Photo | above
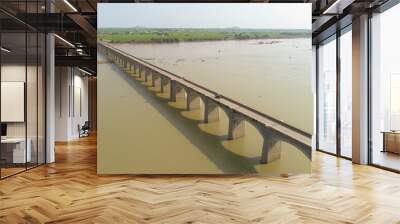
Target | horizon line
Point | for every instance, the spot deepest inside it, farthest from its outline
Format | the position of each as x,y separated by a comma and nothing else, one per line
232,27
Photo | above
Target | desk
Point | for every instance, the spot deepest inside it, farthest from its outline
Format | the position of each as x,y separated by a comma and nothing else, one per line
391,141
16,153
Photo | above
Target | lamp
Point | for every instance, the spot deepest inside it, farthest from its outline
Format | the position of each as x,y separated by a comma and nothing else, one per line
5,50
70,5
64,40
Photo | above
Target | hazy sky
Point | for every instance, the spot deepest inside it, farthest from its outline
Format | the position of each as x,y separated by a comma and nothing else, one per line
205,15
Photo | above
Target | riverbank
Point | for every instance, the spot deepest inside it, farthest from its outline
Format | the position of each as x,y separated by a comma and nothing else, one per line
193,35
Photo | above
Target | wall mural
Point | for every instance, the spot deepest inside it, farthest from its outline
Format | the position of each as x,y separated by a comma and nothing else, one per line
204,88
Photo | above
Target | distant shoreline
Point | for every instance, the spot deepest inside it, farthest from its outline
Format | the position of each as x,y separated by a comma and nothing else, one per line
201,41
194,35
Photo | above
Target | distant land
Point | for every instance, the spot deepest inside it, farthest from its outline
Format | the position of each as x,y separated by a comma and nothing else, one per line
172,35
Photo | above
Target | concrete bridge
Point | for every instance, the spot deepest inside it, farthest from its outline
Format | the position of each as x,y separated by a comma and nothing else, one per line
272,130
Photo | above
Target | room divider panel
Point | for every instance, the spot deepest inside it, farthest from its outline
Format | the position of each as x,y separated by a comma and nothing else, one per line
22,77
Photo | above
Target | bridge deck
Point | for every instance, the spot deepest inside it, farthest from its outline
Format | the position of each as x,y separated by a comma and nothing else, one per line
272,123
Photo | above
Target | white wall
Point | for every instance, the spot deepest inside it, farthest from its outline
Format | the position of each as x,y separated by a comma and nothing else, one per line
71,87
80,109
62,82
15,72
314,91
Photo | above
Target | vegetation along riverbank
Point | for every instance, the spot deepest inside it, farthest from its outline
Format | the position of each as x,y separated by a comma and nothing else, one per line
163,35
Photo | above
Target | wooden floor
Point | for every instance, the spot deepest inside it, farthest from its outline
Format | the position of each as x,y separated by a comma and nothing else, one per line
387,159
69,191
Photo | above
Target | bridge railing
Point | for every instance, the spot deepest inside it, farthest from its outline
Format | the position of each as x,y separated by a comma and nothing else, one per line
149,65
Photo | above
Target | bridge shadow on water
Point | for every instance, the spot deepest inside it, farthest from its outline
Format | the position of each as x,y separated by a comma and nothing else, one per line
209,144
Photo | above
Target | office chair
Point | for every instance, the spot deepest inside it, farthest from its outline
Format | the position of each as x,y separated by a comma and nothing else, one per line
84,130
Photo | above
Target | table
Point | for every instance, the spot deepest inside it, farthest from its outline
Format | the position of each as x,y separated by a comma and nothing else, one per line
391,141
16,153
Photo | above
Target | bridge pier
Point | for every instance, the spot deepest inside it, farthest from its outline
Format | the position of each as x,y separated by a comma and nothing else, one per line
172,90
211,110
271,149
192,100
146,74
141,71
136,69
164,82
236,127
154,77
129,66
175,89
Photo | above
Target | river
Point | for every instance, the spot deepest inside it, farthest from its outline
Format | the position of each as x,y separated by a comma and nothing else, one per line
274,78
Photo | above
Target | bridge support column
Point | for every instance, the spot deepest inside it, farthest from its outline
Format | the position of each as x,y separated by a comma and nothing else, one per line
164,82
146,75
140,71
135,68
192,100
211,111
236,126
172,90
271,149
154,76
175,89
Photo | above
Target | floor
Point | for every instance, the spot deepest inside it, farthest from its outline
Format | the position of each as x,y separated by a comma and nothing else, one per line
5,172
387,159
10,171
69,191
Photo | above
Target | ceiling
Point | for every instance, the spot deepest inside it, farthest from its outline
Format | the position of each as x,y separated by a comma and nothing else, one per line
76,21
